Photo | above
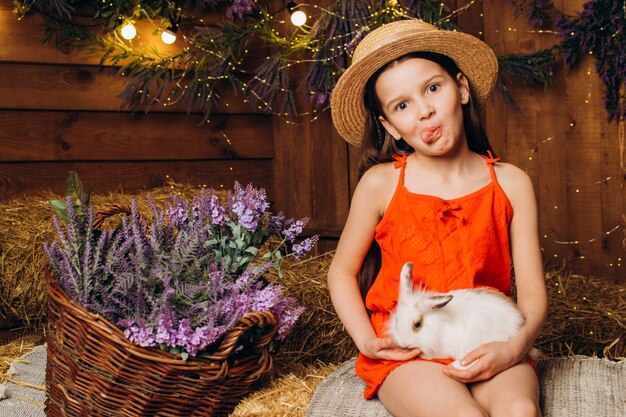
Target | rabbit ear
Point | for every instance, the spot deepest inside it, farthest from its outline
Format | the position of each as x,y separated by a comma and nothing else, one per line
406,280
438,301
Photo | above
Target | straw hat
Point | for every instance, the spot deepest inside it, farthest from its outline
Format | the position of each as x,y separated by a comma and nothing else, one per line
473,57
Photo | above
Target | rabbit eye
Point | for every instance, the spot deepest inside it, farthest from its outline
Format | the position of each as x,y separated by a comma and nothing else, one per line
417,325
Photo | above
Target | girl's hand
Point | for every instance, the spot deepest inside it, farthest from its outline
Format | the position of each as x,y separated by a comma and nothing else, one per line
491,358
385,348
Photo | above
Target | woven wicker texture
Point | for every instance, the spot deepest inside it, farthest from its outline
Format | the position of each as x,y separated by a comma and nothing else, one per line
577,386
93,370
393,40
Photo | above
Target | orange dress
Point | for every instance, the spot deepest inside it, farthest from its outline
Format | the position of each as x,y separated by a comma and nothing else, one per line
453,244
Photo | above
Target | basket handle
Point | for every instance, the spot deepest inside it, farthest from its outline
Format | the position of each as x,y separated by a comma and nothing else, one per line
263,320
111,210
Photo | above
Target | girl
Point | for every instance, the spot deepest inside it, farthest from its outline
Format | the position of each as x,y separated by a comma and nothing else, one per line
433,194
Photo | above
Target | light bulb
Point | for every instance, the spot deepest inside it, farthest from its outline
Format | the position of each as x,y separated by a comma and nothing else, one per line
298,18
168,37
129,31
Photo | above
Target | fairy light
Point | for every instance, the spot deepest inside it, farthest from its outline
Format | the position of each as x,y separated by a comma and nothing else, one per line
298,17
128,31
168,37
345,46
579,190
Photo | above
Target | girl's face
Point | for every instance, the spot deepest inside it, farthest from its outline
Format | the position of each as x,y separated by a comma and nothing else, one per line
421,103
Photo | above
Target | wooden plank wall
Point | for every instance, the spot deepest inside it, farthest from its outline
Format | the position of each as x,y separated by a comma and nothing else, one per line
315,170
564,142
60,112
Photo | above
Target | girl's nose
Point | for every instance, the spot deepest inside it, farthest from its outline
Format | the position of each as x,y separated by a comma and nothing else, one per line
424,110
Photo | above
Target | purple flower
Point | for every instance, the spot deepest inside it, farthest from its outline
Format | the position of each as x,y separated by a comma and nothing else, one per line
138,332
216,211
299,249
277,223
166,332
265,299
319,99
294,229
249,204
239,8
177,214
186,280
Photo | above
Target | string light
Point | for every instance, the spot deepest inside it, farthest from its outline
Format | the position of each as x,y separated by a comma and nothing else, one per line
128,31
168,37
298,17
579,190
393,8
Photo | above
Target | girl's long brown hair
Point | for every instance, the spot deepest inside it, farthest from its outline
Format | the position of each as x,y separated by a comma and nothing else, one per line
378,146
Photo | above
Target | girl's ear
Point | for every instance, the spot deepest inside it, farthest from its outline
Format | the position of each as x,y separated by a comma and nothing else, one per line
389,128
463,85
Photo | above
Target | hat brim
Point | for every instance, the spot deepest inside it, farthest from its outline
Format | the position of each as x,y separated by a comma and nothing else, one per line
474,58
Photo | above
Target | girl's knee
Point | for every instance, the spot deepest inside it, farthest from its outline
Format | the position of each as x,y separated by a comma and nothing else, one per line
521,407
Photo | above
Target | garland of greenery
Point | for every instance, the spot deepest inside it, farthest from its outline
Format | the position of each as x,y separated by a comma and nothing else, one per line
598,30
214,54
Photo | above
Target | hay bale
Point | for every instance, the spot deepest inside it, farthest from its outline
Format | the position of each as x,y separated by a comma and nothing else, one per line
587,314
287,396
587,317
25,225
319,335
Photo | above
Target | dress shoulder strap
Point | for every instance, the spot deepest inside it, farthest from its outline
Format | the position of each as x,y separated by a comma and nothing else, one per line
490,160
400,163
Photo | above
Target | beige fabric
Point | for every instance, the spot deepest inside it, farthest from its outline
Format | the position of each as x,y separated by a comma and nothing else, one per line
581,386
21,400
577,386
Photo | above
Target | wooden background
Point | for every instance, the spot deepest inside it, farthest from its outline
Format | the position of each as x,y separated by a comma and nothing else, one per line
60,112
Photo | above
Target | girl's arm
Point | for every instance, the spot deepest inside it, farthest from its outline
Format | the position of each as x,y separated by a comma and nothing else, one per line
532,298
368,204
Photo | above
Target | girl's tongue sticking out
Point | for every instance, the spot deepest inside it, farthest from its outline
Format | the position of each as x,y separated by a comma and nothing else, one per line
430,135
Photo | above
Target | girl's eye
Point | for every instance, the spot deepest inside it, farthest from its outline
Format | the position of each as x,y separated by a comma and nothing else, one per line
401,106
433,88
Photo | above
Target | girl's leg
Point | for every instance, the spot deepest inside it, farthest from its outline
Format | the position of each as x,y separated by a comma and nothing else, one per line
419,388
511,393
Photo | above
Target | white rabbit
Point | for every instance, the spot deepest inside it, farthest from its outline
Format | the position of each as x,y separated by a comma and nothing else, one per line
450,325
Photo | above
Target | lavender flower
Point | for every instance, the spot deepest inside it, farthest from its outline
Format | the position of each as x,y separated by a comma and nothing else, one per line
249,205
294,229
177,213
183,282
240,8
276,223
599,29
538,12
299,249
138,332
319,99
209,208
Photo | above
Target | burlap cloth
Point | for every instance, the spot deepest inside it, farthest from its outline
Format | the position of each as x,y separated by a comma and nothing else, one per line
577,386
17,400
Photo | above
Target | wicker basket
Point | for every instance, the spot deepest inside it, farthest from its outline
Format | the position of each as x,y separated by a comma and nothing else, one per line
93,370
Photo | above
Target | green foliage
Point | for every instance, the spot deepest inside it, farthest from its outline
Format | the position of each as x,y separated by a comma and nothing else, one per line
214,53
73,189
